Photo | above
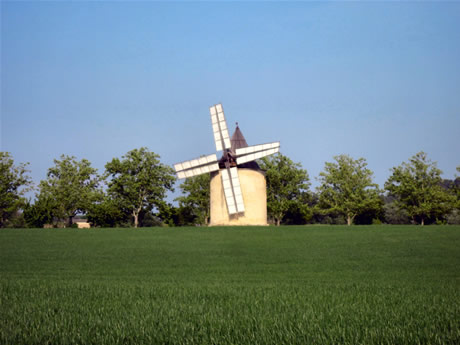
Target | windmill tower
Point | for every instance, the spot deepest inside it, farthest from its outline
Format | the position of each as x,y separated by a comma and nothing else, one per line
238,190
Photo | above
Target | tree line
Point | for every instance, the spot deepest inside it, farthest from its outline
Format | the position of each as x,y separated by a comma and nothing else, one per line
132,192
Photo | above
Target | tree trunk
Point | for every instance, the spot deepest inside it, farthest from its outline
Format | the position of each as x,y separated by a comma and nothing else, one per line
136,219
423,222
136,216
69,222
349,220
278,222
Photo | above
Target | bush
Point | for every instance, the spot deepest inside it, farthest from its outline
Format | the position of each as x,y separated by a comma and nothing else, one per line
395,215
150,220
453,218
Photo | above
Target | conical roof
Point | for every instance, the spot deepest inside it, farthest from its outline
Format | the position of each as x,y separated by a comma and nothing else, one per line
238,141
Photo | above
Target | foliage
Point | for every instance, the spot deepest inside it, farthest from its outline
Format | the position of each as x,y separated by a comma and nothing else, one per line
178,216
453,218
376,221
236,285
40,213
14,182
456,190
139,181
106,213
70,188
395,214
371,215
197,197
287,187
16,220
416,185
347,188
300,212
148,219
175,216
453,188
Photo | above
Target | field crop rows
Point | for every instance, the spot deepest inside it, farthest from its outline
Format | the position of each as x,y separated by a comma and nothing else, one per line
288,285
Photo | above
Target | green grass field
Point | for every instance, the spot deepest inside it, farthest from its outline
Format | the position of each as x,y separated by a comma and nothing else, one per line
288,285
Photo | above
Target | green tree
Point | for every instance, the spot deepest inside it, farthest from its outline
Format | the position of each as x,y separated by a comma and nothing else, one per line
40,212
167,214
393,213
416,185
287,186
453,187
197,197
106,213
70,188
139,181
300,211
457,190
347,188
14,182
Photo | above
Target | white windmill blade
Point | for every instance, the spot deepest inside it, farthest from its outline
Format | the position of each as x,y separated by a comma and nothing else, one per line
256,148
198,166
219,127
232,190
251,153
253,156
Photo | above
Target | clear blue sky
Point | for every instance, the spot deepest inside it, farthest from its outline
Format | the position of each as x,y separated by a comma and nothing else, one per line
97,79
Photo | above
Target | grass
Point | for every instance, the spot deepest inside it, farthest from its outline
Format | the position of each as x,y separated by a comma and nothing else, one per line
288,285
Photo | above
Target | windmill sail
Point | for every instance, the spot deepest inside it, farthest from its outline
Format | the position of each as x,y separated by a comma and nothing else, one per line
219,127
197,166
250,153
232,191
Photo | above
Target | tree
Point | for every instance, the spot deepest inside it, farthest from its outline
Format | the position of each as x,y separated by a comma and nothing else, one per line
197,197
40,213
71,188
139,181
347,188
454,216
167,214
300,211
416,185
287,186
393,213
453,188
14,183
457,190
106,213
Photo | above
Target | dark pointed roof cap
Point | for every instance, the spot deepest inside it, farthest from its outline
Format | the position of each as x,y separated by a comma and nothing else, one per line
238,141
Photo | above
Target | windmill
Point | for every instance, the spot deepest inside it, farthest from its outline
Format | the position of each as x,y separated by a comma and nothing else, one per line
228,164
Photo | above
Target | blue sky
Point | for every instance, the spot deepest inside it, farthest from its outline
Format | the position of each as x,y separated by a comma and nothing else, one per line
97,79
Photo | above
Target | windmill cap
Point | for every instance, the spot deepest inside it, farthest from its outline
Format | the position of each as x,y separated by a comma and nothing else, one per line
238,141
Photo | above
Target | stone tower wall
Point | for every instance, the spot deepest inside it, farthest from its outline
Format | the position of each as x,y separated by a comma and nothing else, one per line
253,187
